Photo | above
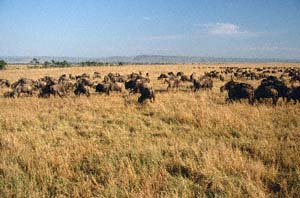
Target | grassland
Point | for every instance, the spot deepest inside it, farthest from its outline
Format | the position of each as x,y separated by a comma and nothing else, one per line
184,145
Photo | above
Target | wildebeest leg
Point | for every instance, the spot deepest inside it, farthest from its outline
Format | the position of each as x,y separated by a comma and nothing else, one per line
60,94
229,100
133,91
259,100
275,99
141,99
152,98
251,100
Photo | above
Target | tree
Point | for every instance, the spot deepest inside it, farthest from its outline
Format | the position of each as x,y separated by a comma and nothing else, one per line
65,64
46,63
34,61
2,64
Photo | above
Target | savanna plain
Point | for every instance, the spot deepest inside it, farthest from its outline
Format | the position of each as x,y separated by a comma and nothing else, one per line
184,144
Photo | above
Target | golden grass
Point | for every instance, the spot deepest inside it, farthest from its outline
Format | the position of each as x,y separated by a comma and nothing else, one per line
184,145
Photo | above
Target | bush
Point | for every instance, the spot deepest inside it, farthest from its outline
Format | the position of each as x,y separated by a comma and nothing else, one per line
2,64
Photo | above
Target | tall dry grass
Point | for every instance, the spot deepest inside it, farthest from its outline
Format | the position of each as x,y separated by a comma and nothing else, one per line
184,145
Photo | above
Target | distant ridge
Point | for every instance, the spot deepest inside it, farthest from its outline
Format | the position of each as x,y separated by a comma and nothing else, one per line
144,59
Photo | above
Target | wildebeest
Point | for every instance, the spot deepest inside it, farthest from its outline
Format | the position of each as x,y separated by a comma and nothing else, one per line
22,81
117,86
193,76
147,92
96,75
84,75
179,74
103,88
238,91
274,82
80,88
202,84
58,89
23,87
162,76
23,90
294,94
63,78
4,83
134,86
172,83
130,84
184,78
266,92
50,86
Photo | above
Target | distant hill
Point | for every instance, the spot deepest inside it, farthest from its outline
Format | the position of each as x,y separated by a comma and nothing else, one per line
143,59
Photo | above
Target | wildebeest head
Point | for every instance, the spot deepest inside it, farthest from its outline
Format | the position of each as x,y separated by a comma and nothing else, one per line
230,84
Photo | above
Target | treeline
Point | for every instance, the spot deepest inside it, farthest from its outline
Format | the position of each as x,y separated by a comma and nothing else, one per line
54,63
2,64
35,63
95,63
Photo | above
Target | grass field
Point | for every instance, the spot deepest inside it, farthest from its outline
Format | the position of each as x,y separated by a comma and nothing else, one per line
185,144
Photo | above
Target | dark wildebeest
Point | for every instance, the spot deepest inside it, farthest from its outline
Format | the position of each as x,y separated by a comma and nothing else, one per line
103,88
263,91
294,94
277,84
147,92
193,76
130,84
134,87
202,84
184,78
238,91
80,88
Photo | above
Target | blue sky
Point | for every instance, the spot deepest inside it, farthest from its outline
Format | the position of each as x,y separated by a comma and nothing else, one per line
98,28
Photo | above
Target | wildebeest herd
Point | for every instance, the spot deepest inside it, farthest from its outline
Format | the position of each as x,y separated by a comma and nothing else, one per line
273,84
